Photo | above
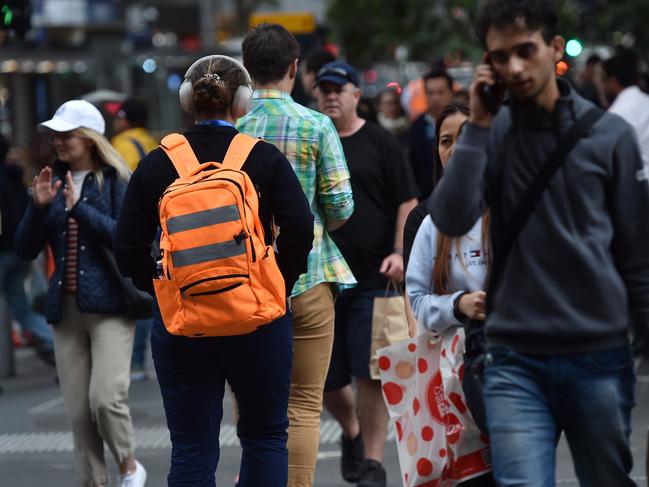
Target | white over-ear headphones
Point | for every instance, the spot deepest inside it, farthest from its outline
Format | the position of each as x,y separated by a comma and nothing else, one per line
242,97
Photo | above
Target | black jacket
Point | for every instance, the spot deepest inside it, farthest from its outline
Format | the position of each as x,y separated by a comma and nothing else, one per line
281,198
13,202
96,213
422,153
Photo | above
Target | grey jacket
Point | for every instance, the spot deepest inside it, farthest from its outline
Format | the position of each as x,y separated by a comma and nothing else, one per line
578,274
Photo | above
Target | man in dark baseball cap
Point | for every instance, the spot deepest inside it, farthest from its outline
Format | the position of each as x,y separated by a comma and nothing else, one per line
337,72
372,244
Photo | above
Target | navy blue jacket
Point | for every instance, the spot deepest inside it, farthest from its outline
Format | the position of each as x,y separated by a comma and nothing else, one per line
422,153
96,213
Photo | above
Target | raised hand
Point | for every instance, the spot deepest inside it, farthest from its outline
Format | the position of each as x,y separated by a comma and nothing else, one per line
43,189
68,192
484,76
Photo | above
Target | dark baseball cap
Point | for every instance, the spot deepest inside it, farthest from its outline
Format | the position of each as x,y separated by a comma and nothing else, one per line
337,72
134,111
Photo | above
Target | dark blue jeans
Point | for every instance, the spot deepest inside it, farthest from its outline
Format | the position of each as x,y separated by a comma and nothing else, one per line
531,399
192,373
13,273
142,331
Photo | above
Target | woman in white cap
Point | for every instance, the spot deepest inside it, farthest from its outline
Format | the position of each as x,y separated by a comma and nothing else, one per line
74,209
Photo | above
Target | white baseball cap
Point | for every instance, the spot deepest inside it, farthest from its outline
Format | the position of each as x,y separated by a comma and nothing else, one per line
74,114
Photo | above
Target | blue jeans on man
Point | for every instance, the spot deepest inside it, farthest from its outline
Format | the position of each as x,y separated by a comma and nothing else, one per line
532,399
13,274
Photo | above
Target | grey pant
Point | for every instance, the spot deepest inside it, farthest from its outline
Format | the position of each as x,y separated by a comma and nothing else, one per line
93,359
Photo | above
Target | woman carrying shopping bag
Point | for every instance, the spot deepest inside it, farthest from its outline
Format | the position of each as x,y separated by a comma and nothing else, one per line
447,276
74,209
444,282
192,370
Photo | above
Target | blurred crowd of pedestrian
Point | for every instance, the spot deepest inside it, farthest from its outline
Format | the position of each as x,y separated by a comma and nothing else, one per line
412,198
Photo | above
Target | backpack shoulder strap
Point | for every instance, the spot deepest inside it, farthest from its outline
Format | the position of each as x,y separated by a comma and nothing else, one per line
138,147
555,160
177,148
534,193
239,151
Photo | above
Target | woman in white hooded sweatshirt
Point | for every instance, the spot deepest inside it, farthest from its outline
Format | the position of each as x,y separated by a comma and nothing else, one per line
445,276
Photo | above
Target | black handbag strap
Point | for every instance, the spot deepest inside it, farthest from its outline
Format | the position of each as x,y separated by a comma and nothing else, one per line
532,196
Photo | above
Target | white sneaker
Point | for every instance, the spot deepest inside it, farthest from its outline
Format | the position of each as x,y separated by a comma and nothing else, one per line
135,479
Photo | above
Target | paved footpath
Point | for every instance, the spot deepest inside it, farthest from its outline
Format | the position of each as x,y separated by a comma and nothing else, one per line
36,447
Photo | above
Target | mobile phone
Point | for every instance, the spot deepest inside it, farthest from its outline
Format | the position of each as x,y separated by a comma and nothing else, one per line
491,95
490,99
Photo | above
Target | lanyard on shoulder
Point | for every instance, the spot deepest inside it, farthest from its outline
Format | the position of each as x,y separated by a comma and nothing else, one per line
216,123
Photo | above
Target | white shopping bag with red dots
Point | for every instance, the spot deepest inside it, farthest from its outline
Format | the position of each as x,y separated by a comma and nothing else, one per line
439,444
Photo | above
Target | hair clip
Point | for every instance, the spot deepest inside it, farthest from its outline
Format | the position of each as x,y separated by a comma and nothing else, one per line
213,76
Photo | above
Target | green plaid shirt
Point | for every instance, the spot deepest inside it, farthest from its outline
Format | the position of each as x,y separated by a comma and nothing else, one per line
310,142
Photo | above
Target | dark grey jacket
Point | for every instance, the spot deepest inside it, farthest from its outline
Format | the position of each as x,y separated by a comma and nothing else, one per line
578,275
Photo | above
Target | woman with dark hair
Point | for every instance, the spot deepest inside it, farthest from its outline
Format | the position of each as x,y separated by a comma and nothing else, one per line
446,276
458,266
192,372
442,152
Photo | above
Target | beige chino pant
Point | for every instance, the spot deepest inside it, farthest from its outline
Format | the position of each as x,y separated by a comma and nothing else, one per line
93,359
313,334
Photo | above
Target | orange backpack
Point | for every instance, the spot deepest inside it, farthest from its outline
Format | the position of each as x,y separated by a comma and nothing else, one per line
218,276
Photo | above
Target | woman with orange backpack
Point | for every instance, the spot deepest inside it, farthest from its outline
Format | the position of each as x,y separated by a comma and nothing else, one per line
220,313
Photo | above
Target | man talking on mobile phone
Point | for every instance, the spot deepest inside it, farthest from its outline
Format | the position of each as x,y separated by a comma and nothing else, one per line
569,201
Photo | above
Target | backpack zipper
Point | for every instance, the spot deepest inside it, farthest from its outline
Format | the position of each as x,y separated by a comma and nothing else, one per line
207,279
219,291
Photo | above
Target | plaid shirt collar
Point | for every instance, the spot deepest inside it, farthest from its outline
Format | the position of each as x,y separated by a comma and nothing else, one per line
266,94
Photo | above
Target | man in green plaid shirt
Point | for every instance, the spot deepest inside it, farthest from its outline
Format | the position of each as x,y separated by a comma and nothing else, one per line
310,142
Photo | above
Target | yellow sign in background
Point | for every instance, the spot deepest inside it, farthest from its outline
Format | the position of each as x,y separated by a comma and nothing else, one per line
294,22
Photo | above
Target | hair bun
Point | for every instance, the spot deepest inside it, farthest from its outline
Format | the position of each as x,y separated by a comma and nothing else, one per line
211,93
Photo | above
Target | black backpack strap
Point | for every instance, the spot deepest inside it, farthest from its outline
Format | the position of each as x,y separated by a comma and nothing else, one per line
138,147
532,196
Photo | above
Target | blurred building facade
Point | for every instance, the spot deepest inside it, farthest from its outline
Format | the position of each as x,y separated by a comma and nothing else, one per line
108,49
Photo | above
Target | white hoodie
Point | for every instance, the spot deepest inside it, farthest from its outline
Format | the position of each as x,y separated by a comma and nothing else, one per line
633,106
467,272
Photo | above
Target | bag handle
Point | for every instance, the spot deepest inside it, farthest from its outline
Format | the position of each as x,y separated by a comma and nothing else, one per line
203,167
532,196
178,150
392,285
238,151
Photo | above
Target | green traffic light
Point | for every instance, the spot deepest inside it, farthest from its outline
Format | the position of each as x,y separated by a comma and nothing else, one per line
573,48
7,15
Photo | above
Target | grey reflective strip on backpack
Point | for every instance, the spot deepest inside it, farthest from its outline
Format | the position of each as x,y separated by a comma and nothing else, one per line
203,218
206,253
